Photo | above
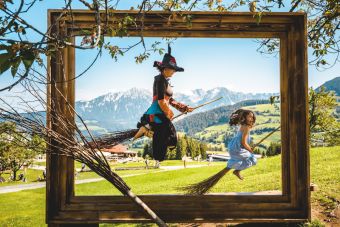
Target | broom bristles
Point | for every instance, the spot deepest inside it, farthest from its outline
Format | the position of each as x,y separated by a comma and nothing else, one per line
113,139
204,186
67,139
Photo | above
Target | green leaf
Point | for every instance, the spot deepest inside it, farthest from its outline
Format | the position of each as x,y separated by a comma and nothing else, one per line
27,63
15,66
5,62
113,32
28,58
4,57
5,66
258,17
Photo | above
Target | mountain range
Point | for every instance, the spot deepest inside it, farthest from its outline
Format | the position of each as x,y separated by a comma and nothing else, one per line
332,85
122,110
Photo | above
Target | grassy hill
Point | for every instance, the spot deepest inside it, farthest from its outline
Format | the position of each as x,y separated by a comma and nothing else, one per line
332,85
199,121
267,119
27,208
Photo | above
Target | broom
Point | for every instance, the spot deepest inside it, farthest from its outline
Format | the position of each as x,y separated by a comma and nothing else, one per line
113,138
118,137
204,186
69,141
70,147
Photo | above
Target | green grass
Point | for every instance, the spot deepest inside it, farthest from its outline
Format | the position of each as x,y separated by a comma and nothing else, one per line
21,209
152,163
137,164
262,108
208,132
220,127
90,175
31,177
91,125
268,169
43,163
276,137
180,163
266,125
325,163
39,163
262,119
27,208
86,175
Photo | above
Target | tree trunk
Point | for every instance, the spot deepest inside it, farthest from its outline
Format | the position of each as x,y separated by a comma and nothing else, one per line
14,174
15,168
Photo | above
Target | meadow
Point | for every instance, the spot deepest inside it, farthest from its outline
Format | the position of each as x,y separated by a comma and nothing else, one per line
27,208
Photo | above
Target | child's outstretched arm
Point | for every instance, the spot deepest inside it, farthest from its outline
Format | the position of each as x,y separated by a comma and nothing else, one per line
245,134
180,106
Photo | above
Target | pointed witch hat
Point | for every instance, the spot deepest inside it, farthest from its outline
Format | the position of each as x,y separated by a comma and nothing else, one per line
168,62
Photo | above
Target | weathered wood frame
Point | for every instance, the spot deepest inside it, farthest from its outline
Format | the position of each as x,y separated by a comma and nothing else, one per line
294,203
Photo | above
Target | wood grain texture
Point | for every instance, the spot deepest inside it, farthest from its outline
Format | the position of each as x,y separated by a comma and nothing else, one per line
294,203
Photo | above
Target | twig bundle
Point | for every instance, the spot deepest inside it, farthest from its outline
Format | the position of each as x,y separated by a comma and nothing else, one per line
68,140
205,185
113,139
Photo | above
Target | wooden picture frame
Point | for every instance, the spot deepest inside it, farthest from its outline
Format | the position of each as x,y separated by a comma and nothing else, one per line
293,205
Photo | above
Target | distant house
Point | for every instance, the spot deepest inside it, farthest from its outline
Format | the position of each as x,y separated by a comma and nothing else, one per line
120,151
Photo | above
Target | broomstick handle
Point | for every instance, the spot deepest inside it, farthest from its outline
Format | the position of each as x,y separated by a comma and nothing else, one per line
146,209
271,133
207,103
198,107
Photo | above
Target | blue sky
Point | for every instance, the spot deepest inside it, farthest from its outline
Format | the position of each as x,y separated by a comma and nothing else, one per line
208,63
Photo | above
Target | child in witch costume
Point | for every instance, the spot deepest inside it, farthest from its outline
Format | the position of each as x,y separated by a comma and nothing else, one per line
156,121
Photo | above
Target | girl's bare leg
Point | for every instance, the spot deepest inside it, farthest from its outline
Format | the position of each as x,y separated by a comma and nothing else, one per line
157,164
140,133
237,173
144,130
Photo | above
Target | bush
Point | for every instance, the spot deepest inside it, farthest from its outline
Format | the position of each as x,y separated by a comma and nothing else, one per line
274,149
147,150
314,223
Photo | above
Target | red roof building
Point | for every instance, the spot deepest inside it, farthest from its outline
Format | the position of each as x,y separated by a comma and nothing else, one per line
120,151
